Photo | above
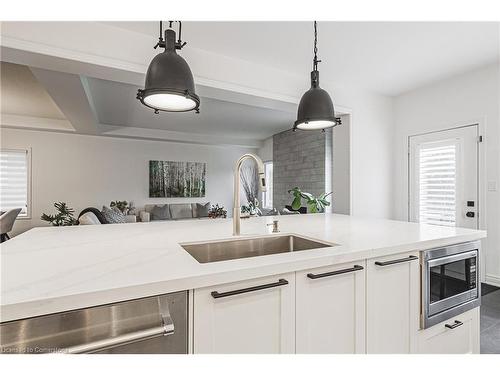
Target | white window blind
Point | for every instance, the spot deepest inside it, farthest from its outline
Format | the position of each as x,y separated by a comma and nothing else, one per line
14,190
437,166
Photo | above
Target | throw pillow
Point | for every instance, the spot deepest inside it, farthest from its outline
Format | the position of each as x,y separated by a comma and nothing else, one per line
112,216
181,211
160,213
202,209
88,218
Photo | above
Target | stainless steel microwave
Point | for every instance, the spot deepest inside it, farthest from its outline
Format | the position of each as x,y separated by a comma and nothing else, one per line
450,282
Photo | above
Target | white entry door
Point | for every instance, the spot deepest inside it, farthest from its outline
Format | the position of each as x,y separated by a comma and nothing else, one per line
443,184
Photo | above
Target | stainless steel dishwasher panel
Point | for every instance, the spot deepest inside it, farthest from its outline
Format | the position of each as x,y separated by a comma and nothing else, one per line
144,326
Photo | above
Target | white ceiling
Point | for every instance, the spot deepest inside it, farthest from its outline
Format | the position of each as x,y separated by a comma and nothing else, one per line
115,104
385,57
249,74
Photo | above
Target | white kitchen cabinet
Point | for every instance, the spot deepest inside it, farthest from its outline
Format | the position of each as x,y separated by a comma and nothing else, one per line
330,308
392,303
458,335
252,316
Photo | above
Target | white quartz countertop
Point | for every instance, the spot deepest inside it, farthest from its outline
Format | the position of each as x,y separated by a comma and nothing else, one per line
53,269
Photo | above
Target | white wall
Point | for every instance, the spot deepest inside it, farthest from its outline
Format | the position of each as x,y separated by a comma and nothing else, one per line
92,171
372,151
371,128
341,167
466,99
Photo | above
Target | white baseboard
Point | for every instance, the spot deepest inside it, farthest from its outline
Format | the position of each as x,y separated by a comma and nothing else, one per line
492,280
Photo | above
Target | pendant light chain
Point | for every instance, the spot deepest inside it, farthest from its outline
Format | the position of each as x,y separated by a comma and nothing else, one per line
315,60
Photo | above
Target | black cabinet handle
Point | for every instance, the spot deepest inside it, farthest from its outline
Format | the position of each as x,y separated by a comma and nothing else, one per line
389,262
333,273
457,323
280,282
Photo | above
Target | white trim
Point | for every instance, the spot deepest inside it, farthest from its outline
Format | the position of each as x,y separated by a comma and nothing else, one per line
348,111
492,280
482,180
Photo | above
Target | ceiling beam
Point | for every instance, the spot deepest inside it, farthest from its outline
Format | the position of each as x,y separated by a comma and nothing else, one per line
64,46
175,136
70,93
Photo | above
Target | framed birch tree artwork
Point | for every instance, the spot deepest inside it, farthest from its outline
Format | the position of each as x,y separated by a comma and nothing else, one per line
176,179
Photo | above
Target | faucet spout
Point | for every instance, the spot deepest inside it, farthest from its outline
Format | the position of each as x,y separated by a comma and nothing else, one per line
236,192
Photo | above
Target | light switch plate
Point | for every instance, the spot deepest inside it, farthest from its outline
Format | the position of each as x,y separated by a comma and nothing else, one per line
492,186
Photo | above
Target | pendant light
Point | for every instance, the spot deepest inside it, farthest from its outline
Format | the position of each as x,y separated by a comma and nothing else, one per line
169,82
316,110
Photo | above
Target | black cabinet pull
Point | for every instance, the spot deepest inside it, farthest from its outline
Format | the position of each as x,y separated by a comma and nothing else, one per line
457,323
280,282
389,262
333,273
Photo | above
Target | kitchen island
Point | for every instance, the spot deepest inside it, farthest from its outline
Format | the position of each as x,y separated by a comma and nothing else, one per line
50,270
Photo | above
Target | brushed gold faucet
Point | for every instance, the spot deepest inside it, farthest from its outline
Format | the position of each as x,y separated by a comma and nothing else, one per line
236,193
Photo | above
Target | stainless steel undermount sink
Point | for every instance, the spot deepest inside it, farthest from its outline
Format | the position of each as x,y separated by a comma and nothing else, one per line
216,251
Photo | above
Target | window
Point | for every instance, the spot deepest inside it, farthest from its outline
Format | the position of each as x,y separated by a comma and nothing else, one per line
437,183
14,181
267,196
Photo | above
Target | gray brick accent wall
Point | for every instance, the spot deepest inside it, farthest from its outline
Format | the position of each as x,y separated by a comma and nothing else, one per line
299,159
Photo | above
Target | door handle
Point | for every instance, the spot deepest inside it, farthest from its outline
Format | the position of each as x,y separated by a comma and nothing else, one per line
333,273
457,323
280,282
469,214
389,262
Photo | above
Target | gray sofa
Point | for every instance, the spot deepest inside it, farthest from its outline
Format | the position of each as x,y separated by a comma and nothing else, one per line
174,211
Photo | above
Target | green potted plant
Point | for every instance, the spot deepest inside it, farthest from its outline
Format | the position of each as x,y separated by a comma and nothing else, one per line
314,204
63,217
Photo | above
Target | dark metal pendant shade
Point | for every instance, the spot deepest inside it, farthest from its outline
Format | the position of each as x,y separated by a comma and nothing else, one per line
169,84
315,108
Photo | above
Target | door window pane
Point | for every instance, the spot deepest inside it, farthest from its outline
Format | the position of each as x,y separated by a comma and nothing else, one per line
437,165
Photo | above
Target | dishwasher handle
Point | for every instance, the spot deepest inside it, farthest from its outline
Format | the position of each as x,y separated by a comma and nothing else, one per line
167,328
127,338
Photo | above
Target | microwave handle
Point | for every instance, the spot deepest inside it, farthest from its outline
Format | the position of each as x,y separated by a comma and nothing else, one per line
452,258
